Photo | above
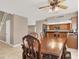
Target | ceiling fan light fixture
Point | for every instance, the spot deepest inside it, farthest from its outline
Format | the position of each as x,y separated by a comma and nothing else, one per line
50,10
54,6
56,9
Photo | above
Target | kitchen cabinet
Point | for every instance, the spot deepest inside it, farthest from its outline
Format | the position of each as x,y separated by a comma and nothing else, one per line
72,41
50,30
60,26
74,23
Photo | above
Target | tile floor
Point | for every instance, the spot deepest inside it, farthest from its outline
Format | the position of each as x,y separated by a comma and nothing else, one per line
7,52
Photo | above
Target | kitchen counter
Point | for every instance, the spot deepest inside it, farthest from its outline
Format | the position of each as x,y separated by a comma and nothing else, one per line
68,31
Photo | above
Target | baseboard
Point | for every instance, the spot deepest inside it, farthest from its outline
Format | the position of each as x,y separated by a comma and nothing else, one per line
6,43
16,45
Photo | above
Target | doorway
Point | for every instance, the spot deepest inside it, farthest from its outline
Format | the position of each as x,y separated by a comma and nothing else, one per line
8,31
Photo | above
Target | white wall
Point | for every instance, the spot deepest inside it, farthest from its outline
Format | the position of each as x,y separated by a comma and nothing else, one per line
59,20
3,29
31,28
65,19
39,26
20,28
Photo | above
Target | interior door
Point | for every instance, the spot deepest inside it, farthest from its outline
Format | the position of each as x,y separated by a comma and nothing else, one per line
8,31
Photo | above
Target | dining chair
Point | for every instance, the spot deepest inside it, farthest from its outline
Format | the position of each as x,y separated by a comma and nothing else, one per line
29,51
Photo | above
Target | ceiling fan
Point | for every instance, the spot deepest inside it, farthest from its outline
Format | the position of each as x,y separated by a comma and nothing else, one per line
53,4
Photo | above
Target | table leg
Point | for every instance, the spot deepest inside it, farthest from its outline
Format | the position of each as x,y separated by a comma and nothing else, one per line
64,53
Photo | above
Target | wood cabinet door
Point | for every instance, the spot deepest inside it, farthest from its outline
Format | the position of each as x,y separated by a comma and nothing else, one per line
63,35
50,35
72,42
51,27
74,23
65,26
56,35
60,27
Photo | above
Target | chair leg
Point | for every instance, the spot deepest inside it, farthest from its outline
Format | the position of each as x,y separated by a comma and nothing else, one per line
64,53
23,56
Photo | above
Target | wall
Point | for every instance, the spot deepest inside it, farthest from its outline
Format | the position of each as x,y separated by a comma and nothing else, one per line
62,19
11,29
20,28
1,15
39,26
59,20
3,29
31,28
3,33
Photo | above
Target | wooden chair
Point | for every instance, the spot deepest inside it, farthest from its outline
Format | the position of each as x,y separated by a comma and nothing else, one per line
28,48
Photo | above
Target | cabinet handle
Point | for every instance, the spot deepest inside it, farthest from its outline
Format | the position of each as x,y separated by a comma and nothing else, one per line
54,35
58,35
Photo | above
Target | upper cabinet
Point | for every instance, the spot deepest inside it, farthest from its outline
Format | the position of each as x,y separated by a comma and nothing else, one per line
60,26
66,27
74,23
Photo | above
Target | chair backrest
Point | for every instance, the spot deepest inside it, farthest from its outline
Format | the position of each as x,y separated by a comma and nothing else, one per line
28,47
34,34
41,35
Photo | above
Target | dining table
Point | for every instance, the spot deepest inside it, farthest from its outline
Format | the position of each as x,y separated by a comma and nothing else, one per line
53,46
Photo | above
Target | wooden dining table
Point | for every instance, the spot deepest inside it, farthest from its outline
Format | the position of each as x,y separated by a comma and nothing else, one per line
54,46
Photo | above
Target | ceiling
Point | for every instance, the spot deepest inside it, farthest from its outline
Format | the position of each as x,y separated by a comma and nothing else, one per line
29,9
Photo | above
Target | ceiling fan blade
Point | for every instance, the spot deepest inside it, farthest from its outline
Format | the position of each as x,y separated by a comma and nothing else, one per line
61,0
44,6
50,1
62,6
